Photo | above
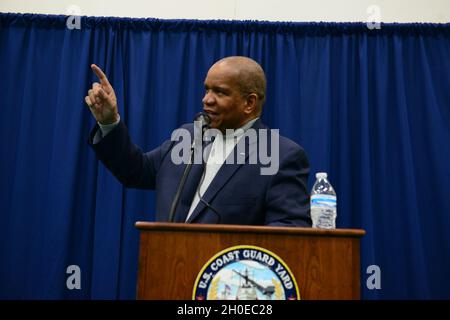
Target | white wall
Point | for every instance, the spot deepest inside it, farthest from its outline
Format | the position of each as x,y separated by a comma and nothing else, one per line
272,10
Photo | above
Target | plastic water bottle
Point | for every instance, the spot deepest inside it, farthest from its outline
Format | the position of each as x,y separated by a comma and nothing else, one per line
323,203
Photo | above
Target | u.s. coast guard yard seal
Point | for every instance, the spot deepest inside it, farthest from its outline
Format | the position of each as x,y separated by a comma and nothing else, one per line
245,273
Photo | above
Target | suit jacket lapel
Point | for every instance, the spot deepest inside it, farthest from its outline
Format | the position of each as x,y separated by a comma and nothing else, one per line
190,187
188,192
227,171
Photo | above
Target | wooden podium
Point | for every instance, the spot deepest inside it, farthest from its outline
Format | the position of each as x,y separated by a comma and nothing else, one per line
325,263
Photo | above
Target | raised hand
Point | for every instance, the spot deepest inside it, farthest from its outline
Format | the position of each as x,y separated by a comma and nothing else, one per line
101,99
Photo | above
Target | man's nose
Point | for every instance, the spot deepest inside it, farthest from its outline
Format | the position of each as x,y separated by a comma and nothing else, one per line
208,98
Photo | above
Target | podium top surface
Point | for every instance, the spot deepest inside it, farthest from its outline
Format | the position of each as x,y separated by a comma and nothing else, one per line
222,228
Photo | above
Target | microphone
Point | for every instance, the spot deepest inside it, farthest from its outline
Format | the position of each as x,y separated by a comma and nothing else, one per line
205,122
202,119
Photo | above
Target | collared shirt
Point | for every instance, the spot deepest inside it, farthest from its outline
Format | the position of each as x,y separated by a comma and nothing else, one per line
104,130
220,150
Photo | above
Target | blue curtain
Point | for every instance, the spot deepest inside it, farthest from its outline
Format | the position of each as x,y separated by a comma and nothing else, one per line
371,108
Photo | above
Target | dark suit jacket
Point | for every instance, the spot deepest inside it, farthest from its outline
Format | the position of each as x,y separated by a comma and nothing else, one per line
238,193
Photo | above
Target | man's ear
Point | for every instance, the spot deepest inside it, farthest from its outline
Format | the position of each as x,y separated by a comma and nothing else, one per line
251,103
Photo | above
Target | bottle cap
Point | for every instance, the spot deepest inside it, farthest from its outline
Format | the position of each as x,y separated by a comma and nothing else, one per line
321,175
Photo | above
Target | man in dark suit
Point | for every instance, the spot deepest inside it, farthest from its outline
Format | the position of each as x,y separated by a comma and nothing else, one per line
227,189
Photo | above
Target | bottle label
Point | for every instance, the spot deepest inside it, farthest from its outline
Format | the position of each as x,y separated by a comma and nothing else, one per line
323,200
